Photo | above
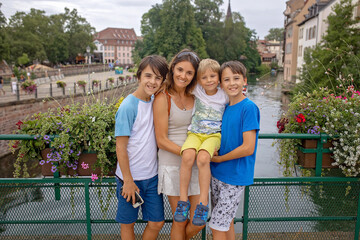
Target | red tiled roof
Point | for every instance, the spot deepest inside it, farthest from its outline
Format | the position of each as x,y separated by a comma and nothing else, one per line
113,35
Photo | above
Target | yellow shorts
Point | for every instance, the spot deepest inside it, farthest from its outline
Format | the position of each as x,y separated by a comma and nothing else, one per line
200,141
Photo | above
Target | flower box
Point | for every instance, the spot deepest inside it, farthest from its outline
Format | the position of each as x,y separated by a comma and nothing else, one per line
308,160
85,166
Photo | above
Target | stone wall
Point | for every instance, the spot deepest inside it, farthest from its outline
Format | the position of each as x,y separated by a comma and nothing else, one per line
12,112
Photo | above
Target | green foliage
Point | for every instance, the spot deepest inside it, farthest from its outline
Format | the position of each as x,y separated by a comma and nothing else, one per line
263,69
81,83
61,84
79,127
176,24
23,60
338,54
56,38
29,86
322,111
275,34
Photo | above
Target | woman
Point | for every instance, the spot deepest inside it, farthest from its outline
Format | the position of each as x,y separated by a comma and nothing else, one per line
172,116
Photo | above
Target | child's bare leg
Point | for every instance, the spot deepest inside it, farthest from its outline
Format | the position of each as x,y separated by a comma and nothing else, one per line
203,163
127,231
187,161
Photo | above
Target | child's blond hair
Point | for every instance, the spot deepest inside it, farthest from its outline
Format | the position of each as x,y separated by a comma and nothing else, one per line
206,64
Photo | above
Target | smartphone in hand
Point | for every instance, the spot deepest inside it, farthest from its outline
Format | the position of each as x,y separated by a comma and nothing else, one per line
138,199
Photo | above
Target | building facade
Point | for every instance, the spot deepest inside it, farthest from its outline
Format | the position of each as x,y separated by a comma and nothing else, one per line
270,51
313,28
294,14
115,45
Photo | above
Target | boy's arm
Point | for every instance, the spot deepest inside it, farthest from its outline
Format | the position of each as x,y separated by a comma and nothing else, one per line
129,186
246,149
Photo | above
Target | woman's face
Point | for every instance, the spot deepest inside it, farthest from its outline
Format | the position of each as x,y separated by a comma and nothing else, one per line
184,73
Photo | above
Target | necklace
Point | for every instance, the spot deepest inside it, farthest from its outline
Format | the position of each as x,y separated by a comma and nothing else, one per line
183,106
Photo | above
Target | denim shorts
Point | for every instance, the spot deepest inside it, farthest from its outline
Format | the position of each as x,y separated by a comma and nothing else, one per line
152,209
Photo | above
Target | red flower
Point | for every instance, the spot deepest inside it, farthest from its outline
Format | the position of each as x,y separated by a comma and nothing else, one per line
19,123
300,118
281,124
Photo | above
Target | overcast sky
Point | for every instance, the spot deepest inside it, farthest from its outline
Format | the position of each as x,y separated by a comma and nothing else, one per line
260,15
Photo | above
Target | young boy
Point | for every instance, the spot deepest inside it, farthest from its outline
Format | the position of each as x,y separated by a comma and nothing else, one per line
136,152
202,141
233,169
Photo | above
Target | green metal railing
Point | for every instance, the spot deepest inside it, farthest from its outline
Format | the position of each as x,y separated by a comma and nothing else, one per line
277,208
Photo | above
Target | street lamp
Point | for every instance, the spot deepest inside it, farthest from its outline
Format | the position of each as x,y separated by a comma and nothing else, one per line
88,54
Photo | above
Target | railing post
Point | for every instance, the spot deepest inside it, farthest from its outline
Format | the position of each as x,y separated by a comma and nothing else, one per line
51,92
319,155
357,224
18,91
246,212
87,208
203,233
74,88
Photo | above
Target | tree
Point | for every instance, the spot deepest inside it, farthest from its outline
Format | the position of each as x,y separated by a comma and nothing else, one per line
275,34
169,27
336,60
57,38
4,43
24,59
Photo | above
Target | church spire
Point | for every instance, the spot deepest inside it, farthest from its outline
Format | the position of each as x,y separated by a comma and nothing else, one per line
228,14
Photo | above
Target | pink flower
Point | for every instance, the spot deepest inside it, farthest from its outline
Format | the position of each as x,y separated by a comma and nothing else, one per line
94,177
84,165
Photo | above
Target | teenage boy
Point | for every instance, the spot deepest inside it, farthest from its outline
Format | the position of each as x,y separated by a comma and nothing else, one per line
233,169
136,151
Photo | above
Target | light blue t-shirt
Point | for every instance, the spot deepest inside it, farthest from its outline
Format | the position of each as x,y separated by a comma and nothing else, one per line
134,118
241,117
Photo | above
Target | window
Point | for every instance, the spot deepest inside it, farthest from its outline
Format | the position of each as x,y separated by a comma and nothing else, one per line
101,48
288,48
123,54
112,48
112,54
289,32
301,33
300,51
127,54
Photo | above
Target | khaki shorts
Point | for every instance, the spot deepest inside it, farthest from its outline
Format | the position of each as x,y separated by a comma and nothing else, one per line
200,141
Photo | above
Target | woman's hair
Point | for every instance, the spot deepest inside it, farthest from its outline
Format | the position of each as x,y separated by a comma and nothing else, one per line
183,55
235,67
206,64
157,64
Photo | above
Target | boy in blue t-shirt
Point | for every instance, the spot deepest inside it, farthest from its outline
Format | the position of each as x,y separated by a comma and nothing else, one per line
136,151
233,169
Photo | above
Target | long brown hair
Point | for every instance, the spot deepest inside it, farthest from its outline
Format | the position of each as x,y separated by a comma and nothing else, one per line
183,55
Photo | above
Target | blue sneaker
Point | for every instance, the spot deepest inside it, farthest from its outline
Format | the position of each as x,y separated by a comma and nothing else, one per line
201,214
182,211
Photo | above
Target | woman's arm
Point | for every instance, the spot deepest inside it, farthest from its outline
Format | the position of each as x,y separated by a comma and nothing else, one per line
246,149
161,123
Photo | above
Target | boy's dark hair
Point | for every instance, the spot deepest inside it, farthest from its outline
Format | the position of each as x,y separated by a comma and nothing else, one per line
235,66
157,64
183,55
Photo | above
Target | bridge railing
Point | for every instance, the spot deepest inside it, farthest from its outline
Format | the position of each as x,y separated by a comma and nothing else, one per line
277,208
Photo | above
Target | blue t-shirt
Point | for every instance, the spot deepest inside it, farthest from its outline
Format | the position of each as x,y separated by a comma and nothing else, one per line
241,117
134,119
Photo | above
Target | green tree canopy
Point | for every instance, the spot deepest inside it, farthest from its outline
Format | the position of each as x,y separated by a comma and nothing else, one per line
56,38
275,34
176,24
336,60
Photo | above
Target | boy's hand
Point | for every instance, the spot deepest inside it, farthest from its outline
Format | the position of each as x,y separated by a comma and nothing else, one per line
216,159
128,191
